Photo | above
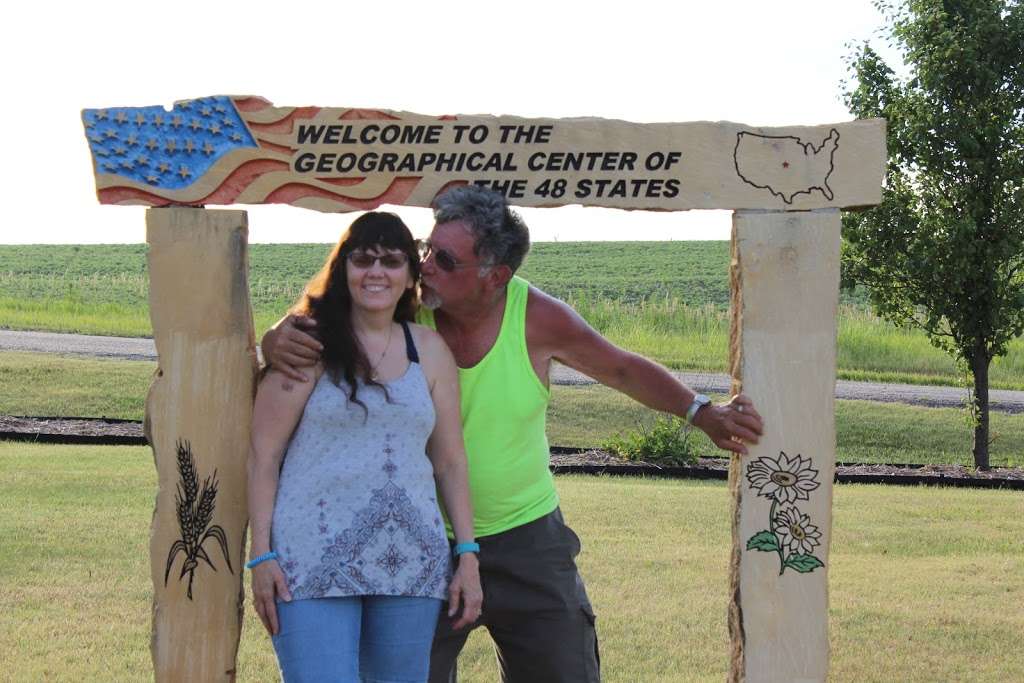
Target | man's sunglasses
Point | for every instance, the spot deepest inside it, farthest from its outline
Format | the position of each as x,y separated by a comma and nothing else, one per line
443,258
391,261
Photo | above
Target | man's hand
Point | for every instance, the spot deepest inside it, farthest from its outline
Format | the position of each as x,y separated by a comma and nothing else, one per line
731,425
290,346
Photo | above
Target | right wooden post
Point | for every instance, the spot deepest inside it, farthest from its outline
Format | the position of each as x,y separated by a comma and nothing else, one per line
785,278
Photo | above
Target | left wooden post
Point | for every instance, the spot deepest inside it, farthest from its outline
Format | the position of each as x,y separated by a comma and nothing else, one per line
198,414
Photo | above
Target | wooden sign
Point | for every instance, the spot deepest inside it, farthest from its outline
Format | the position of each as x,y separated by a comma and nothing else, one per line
198,416
243,150
786,183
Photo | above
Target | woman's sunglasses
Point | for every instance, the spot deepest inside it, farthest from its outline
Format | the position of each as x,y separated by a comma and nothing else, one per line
391,261
442,257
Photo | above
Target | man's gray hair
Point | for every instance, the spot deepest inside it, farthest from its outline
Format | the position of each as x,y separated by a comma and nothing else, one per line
499,233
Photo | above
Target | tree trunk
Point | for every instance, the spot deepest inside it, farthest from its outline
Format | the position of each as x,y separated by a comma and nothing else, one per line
979,368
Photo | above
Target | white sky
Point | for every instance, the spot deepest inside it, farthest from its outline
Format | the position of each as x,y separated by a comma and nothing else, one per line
757,63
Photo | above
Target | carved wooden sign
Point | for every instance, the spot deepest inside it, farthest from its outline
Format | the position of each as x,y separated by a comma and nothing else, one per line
786,185
243,150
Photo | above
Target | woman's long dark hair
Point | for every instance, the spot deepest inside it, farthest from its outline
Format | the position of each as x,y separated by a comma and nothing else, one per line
327,300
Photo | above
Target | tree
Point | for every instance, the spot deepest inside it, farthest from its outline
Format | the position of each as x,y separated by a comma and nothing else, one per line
944,251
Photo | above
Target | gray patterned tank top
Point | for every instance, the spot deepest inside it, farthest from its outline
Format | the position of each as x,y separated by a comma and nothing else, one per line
356,511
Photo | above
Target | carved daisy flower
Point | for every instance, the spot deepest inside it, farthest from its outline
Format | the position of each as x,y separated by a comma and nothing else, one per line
795,531
786,479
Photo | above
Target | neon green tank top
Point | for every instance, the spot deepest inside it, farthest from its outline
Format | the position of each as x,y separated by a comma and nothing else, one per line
504,418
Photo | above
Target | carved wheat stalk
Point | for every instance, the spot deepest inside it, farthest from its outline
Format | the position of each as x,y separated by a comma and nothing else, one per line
195,509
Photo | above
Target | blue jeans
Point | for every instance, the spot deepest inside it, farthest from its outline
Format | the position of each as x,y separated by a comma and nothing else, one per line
367,639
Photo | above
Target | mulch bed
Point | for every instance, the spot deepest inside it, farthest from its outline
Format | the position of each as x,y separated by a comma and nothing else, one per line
72,430
105,431
568,461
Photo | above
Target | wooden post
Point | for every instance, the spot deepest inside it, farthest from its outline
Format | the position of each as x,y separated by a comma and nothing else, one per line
198,416
785,273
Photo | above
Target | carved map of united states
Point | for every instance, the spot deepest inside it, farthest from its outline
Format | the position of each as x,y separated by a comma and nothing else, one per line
785,165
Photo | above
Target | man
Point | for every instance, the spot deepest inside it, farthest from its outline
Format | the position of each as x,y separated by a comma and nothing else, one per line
504,335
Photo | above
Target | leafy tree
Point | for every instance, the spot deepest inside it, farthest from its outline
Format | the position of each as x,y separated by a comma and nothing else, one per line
944,251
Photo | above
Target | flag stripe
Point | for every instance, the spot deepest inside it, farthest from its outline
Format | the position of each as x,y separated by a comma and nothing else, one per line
396,193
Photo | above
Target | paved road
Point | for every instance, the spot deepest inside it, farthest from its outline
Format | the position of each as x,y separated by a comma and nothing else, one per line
142,349
124,348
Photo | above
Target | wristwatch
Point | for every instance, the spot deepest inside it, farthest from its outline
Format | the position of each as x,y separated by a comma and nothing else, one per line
699,401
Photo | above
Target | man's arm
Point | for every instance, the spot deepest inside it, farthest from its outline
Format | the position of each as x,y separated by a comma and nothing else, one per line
557,332
289,346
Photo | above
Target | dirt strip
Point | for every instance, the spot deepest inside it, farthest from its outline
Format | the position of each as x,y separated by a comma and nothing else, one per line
564,460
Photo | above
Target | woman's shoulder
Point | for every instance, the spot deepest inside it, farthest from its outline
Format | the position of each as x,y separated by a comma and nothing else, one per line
431,347
278,391
312,373
425,337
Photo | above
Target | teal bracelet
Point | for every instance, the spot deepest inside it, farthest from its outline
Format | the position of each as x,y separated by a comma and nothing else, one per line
465,548
272,555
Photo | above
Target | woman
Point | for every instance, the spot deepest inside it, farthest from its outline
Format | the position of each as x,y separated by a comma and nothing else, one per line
350,555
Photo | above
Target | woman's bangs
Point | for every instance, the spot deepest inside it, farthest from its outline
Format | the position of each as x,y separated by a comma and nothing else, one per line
385,235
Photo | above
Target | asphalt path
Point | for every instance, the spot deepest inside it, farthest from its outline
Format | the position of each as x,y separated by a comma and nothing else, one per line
133,348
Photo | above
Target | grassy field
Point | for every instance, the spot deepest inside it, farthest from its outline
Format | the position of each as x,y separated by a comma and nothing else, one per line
667,300
926,584
694,273
691,273
38,384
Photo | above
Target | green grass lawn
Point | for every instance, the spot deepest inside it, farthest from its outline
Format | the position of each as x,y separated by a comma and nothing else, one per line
866,431
925,584
41,384
50,385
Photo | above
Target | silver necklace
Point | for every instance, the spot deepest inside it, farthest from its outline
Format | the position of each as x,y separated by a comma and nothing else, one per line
373,366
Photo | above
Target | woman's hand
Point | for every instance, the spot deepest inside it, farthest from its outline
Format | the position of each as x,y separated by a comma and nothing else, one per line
268,582
465,590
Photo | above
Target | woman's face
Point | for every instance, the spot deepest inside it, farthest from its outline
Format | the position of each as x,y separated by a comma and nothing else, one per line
378,277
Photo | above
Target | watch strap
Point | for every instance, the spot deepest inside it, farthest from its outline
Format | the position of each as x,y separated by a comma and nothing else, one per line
699,401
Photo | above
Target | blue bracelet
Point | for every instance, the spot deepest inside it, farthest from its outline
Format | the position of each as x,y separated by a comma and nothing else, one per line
466,548
272,555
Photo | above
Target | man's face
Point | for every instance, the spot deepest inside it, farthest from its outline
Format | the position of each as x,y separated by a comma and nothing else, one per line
451,273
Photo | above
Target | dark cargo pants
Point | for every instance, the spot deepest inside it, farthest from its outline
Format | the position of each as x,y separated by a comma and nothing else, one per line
535,608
